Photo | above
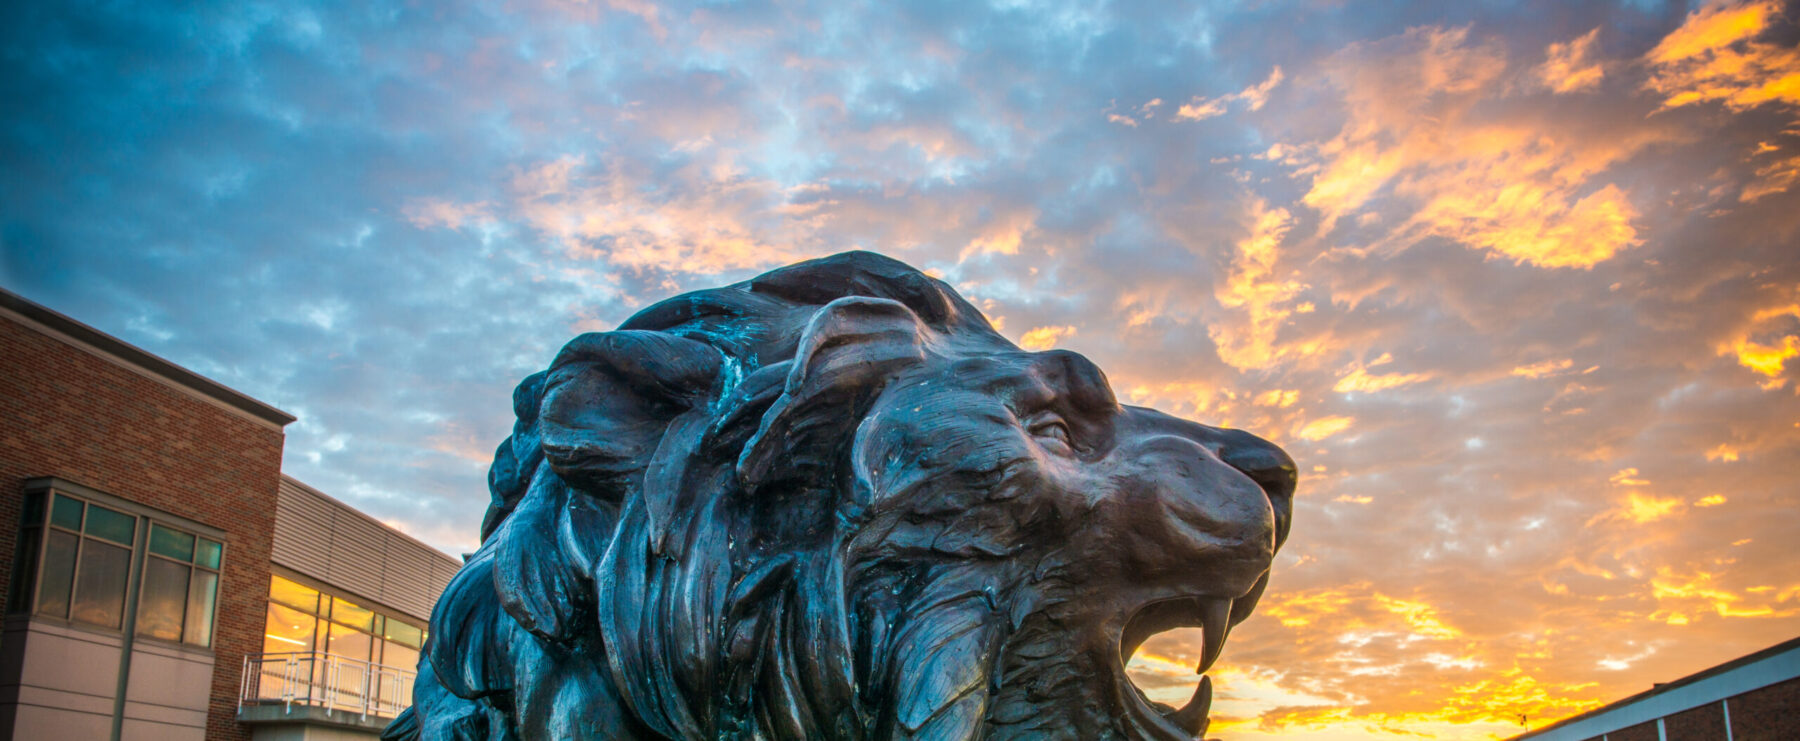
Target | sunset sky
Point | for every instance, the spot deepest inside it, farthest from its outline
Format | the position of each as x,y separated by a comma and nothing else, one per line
1518,285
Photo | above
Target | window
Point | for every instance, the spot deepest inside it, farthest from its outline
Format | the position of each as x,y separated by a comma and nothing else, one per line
301,619
86,561
74,562
181,587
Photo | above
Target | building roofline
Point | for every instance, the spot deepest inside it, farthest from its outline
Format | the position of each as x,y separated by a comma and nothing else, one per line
1663,687
457,562
140,359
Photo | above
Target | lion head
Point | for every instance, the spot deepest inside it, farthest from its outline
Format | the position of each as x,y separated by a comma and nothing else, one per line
833,502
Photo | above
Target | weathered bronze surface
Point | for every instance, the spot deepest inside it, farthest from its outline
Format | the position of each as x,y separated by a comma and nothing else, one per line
831,502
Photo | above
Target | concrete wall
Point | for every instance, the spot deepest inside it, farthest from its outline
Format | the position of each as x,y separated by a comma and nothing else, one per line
91,414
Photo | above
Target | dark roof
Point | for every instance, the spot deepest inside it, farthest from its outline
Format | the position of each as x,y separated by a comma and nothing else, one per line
143,359
1662,687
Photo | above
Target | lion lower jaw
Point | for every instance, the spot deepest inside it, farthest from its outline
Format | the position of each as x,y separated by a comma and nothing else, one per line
1051,683
1048,685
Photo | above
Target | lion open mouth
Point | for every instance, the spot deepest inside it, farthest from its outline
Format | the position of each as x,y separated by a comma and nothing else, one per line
1214,617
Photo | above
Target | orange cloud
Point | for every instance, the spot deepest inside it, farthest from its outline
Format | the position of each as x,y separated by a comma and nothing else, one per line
1044,338
1421,616
1714,56
1768,359
427,213
1569,67
1359,379
1277,398
1201,108
1325,427
706,219
1254,288
1517,190
1640,508
1543,368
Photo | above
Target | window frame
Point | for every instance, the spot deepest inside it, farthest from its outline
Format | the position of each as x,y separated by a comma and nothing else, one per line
48,488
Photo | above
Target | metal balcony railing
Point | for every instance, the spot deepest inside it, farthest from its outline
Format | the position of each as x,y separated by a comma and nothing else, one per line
322,680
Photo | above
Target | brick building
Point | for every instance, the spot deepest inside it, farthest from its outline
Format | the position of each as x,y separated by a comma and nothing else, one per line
1751,698
153,557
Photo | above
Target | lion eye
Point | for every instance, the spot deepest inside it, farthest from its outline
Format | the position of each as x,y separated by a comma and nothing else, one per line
1053,429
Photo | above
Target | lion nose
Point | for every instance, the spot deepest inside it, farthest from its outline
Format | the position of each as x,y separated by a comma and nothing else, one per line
1270,467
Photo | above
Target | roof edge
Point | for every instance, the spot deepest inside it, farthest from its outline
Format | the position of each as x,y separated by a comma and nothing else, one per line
142,359
1665,687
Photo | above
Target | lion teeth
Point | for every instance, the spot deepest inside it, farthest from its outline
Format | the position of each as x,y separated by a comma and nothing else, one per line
1215,622
1192,717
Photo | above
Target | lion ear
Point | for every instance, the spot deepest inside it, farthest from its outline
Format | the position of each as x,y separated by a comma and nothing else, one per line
849,351
608,400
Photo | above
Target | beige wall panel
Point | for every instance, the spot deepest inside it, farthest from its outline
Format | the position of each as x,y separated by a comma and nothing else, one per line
72,660
143,730
357,554
298,732
61,725
302,530
72,701
169,678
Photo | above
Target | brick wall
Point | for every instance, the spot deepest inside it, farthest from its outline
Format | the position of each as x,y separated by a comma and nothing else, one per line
1769,713
1704,723
76,416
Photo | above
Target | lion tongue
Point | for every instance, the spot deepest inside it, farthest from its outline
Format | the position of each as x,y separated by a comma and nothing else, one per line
1192,717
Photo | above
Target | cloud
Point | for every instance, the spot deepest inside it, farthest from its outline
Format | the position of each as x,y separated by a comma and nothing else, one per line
1043,338
1324,427
1768,357
1418,133
1200,108
1257,290
1715,56
1569,66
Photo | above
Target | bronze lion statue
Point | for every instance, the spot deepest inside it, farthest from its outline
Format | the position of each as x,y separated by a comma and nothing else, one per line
831,502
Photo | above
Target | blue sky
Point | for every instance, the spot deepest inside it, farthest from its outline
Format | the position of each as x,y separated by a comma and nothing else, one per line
1515,282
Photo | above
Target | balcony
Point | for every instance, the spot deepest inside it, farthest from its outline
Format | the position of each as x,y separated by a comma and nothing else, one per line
317,688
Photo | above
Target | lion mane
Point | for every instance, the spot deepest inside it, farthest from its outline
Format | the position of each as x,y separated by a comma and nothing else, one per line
832,502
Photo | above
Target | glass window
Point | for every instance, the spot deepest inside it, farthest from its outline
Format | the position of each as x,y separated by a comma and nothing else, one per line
162,607
398,656
404,634
117,527
33,513
59,574
83,552
209,554
66,513
18,598
100,584
288,630
349,642
171,543
349,614
293,595
203,597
